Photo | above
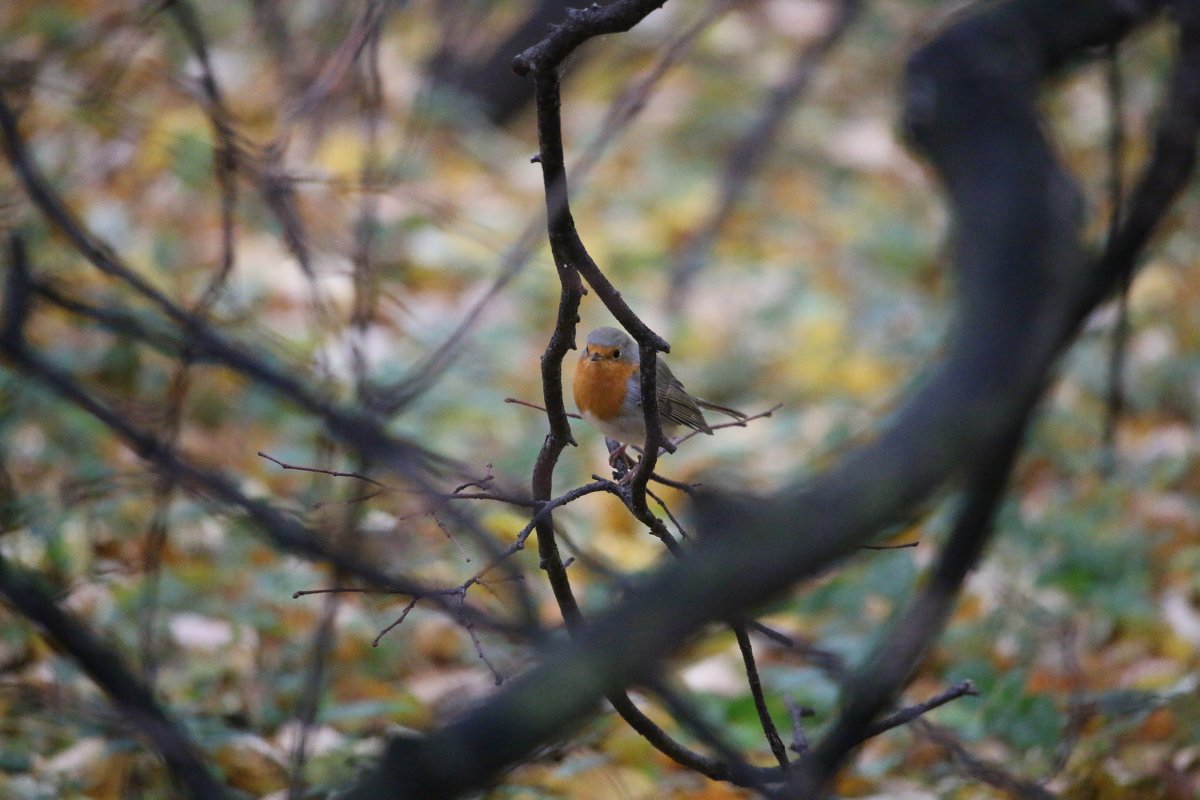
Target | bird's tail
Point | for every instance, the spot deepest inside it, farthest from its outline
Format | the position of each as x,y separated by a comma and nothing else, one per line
729,412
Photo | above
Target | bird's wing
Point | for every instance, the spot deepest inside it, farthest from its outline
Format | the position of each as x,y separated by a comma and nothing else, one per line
674,404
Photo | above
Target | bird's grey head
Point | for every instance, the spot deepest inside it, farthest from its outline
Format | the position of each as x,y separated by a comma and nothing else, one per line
610,343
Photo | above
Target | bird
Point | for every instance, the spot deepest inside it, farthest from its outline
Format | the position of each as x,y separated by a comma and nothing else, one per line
608,392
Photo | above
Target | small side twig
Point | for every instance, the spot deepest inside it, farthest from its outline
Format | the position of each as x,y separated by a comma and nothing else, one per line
752,150
330,472
907,715
740,630
465,621
535,406
1116,198
760,700
742,773
395,623
741,423
900,546
666,510
829,662
797,713
979,769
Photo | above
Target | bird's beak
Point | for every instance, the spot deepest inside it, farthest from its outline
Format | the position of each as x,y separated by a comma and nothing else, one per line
594,357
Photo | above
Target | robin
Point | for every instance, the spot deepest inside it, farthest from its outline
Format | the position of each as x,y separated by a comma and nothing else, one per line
608,392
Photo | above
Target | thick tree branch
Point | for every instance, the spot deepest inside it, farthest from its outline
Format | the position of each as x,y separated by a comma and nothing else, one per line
1023,285
882,676
25,592
137,706
582,24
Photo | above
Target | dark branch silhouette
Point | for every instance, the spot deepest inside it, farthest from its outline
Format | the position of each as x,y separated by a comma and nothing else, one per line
1024,286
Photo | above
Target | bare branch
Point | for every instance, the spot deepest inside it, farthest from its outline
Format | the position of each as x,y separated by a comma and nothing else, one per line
797,713
1116,198
979,769
881,677
135,702
760,700
515,401
330,472
1023,284
283,530
582,24
907,715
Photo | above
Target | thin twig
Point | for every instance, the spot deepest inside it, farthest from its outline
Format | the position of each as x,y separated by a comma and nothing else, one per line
907,715
26,593
515,401
686,488
741,423
135,703
894,658
741,772
284,530
620,113
350,426
745,647
319,470
466,622
666,510
797,713
1079,710
364,30
1116,199
396,623
310,698
829,662
225,154
760,700
979,769
351,590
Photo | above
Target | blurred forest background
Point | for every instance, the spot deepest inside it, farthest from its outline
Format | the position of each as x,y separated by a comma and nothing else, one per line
383,240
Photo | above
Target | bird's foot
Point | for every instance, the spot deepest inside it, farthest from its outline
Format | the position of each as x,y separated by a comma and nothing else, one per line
621,462
618,457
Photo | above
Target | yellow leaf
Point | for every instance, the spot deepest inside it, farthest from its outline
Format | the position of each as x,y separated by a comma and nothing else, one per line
166,128
340,152
252,765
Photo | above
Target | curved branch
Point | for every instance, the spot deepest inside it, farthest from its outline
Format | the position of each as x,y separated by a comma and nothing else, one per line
571,259
285,531
131,697
582,24
880,678
1023,284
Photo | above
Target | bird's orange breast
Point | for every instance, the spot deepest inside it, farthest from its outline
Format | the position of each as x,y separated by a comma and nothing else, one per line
600,387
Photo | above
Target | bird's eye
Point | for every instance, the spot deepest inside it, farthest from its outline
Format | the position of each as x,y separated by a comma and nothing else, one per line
617,353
